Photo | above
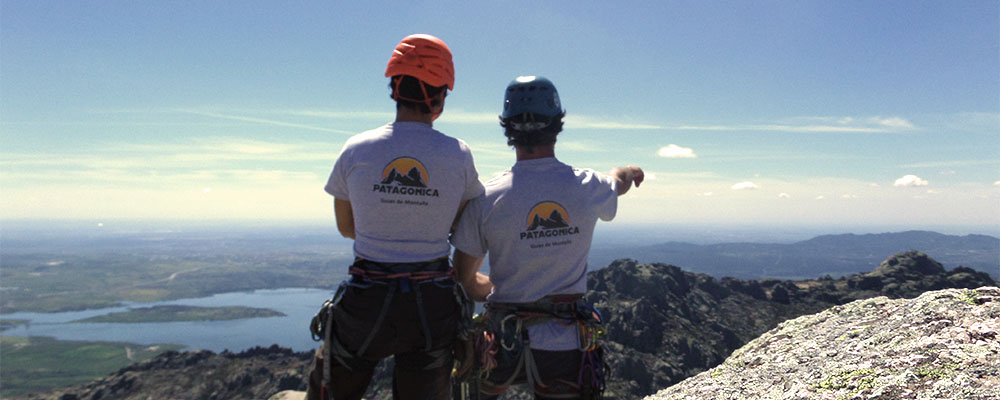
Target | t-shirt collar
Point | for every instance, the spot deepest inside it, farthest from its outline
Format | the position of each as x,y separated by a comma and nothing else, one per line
536,164
414,124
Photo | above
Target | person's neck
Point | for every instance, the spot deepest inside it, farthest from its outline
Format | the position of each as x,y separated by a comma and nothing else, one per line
535,152
404,114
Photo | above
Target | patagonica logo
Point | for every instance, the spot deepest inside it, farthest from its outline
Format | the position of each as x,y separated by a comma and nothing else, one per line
405,175
548,219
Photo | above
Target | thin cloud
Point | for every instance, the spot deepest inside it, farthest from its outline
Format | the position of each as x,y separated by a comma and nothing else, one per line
745,186
893,123
196,153
346,115
781,128
997,183
784,195
909,181
585,122
813,125
263,121
574,121
675,151
580,146
949,164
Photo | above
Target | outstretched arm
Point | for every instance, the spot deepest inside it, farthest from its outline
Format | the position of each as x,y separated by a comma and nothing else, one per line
477,285
626,176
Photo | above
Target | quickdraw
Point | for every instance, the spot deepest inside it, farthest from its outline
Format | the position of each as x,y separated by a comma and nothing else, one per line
499,335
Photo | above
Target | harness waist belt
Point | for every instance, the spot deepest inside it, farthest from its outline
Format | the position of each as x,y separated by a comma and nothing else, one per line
555,304
379,270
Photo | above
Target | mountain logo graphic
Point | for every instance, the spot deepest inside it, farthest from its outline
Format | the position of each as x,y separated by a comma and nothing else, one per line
547,215
548,219
405,171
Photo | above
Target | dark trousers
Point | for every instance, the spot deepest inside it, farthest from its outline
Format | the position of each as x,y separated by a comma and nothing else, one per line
418,373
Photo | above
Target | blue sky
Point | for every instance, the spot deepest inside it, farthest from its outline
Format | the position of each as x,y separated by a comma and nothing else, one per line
811,113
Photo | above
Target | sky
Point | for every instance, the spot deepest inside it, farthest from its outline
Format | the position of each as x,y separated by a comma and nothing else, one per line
874,115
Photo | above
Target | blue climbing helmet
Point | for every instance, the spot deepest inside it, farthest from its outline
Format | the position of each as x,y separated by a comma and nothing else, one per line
531,94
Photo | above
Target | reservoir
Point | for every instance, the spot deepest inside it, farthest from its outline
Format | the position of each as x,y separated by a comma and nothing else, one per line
291,331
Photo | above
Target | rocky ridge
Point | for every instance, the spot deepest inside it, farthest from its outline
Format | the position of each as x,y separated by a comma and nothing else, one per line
942,345
663,326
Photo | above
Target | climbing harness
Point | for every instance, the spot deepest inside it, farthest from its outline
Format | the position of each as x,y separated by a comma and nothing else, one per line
395,278
499,337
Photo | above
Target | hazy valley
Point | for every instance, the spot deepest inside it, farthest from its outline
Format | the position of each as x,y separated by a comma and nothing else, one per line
47,272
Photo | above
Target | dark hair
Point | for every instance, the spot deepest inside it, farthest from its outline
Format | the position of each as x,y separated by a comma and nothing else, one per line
534,137
411,95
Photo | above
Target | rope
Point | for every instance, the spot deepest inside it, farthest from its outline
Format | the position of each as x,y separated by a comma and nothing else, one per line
530,368
512,335
486,347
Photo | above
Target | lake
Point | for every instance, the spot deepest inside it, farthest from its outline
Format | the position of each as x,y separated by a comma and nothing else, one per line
291,331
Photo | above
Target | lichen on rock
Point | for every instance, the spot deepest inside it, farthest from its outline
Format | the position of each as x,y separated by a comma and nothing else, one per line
941,345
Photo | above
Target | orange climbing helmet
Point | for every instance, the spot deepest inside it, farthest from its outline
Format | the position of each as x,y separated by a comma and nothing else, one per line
424,57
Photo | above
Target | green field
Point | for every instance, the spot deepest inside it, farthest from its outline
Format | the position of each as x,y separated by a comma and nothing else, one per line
37,364
183,313
6,324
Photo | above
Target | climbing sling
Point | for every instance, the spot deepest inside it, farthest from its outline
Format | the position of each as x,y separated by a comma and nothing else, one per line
500,337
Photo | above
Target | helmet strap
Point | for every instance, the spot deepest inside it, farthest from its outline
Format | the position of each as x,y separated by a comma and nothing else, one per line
423,88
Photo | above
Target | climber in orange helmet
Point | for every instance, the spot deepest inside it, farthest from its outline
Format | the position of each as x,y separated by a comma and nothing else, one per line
398,190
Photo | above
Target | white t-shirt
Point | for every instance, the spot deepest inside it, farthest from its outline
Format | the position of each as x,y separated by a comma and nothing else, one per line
405,182
536,222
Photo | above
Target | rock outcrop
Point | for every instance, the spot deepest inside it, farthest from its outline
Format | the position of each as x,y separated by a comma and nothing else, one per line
665,325
942,345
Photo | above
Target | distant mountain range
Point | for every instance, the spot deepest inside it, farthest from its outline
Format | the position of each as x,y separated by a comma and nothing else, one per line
833,255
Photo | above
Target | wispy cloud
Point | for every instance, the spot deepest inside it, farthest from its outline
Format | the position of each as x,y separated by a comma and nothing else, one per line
581,146
263,121
234,159
910,180
812,125
588,122
675,151
951,164
745,186
573,121
342,115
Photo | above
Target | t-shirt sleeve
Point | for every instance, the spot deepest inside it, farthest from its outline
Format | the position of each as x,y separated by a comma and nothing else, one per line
473,187
605,196
468,236
337,184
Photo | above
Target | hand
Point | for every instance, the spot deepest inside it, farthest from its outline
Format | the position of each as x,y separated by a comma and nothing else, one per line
626,176
637,175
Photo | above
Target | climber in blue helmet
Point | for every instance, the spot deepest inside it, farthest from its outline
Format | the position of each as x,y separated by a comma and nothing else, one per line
536,223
